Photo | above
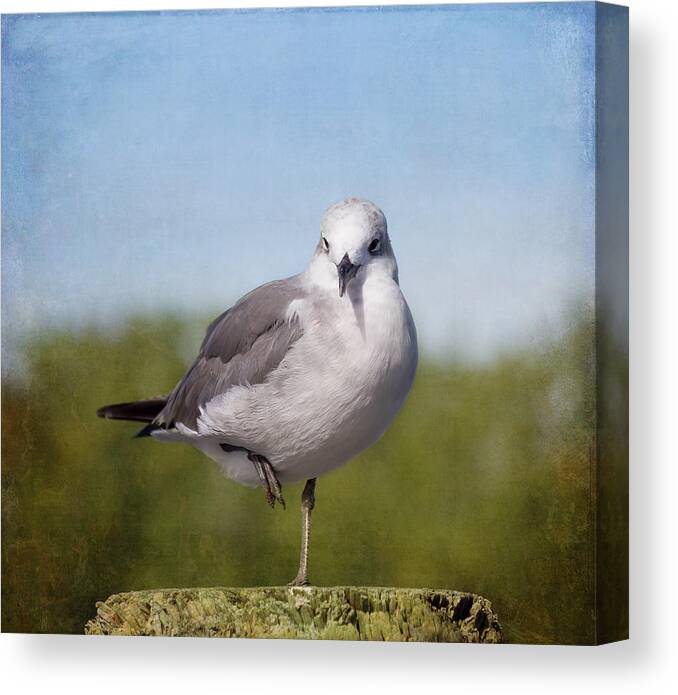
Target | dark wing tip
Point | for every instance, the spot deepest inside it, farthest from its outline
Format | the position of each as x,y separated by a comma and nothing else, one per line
146,431
139,411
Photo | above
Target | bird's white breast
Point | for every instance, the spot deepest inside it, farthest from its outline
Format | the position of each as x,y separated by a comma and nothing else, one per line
334,394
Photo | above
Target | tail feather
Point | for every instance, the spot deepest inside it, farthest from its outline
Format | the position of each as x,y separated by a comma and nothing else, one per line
137,411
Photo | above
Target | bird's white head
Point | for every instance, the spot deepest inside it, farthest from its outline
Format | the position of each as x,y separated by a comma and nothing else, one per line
353,245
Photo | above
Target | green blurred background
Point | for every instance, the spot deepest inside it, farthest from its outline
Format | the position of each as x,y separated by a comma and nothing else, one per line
482,484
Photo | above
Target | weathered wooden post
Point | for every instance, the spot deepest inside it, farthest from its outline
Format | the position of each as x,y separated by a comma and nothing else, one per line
341,613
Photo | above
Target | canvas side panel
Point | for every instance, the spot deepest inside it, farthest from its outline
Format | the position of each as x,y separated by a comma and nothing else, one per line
612,312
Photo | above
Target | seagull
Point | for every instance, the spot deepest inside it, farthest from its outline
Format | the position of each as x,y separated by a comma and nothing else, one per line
301,374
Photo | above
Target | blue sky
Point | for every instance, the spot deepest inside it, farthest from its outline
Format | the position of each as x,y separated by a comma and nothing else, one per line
176,160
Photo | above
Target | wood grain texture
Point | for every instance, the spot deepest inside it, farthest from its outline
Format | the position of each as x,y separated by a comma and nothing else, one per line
339,613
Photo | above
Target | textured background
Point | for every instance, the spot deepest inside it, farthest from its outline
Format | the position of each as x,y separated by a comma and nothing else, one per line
140,150
483,484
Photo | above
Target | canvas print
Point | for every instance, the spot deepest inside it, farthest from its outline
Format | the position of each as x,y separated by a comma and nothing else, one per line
315,323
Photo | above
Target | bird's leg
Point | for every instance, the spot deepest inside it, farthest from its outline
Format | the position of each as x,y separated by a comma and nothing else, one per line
268,479
307,504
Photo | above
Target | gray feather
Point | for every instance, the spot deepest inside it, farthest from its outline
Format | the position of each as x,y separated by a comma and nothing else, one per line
242,346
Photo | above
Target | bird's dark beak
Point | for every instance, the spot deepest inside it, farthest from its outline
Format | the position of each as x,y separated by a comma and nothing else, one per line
345,270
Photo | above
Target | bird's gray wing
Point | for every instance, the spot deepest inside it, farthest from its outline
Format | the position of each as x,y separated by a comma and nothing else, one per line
242,346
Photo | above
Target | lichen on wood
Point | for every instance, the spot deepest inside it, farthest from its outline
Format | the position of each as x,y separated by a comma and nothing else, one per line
335,613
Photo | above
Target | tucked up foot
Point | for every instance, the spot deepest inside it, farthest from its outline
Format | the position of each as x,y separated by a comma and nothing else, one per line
268,479
307,504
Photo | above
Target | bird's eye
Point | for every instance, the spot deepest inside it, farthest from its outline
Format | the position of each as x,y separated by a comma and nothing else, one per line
374,246
326,244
